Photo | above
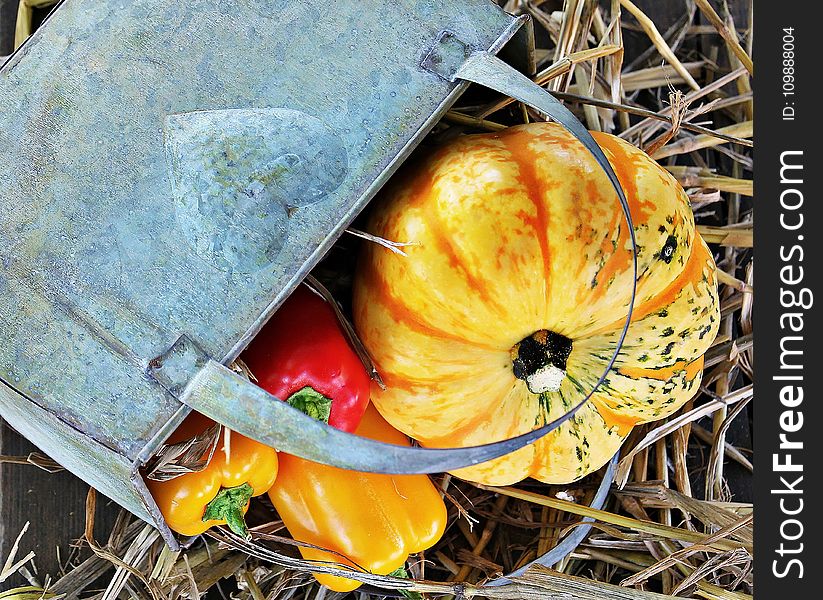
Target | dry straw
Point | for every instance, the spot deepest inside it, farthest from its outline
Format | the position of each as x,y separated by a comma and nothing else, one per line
25,16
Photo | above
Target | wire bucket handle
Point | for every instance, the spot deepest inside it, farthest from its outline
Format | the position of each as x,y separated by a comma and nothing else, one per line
229,398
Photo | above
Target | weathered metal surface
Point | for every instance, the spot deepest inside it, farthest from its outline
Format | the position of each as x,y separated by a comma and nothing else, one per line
127,222
77,452
260,165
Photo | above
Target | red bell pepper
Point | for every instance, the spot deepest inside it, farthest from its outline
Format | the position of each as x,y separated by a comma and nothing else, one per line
303,357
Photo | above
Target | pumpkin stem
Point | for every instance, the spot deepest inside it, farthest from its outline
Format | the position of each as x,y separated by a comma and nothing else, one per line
540,360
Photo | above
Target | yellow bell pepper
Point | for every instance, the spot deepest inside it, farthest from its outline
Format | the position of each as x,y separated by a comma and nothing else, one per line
221,492
373,521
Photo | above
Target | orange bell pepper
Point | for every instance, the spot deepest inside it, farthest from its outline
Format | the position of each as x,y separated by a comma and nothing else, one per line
374,521
221,492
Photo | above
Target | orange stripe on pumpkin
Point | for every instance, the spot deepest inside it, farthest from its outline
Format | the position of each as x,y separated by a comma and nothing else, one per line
517,143
613,418
475,281
619,262
626,165
693,271
692,369
381,293
471,425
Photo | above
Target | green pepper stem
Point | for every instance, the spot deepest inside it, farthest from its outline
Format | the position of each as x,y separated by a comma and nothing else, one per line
311,402
401,573
228,506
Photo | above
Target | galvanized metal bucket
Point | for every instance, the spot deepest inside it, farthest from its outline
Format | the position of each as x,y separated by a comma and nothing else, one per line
175,170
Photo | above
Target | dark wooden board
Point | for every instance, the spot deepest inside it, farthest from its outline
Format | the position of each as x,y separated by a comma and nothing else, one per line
52,503
8,15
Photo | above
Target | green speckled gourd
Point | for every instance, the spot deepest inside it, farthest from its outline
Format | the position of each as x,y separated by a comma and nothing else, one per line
507,309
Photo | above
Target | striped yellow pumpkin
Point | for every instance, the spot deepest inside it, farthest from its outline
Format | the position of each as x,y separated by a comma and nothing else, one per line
505,312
